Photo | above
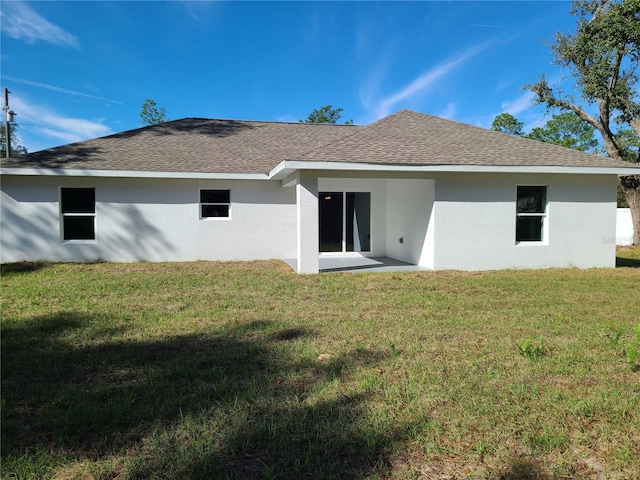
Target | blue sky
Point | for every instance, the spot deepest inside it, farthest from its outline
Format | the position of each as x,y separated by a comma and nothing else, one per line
79,70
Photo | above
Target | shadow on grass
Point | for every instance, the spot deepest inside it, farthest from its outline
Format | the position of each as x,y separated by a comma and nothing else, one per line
627,262
21,267
520,469
231,404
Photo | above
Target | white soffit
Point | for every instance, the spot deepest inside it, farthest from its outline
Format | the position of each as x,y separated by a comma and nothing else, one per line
288,167
60,172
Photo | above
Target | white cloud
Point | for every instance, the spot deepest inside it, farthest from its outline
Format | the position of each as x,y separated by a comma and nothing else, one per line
46,123
287,117
483,25
53,88
524,109
19,21
369,90
65,136
520,104
198,10
449,112
426,80
521,107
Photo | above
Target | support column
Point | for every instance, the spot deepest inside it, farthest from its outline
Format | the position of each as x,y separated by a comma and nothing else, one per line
308,222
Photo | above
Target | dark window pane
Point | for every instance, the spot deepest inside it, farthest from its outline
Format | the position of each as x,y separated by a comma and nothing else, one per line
79,228
532,199
330,221
214,196
215,210
529,229
78,200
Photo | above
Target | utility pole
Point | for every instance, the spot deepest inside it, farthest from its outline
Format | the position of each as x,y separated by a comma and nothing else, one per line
8,118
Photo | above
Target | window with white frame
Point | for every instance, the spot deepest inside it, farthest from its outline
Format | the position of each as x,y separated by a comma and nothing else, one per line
215,203
531,213
78,211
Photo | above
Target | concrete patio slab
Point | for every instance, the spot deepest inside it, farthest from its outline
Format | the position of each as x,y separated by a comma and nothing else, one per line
357,264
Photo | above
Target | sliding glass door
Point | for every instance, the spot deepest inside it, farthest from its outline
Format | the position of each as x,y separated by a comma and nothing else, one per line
345,221
331,224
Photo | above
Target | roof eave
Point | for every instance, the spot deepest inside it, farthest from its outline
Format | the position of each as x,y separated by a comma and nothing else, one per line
287,167
62,172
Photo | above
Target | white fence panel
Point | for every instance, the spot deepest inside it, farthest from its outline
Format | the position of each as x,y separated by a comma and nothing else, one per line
624,227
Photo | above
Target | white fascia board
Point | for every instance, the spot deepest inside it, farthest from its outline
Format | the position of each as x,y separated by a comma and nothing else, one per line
287,167
61,172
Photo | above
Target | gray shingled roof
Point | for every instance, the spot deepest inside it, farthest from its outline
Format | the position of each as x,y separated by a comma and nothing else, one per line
231,146
412,138
189,145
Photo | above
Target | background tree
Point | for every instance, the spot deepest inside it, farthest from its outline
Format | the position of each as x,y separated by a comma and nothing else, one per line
567,130
507,123
629,144
602,56
151,114
326,114
564,129
16,149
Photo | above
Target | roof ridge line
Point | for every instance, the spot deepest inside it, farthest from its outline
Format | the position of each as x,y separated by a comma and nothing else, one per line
278,122
358,131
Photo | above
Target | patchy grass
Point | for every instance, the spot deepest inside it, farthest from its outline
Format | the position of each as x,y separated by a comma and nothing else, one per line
247,370
628,257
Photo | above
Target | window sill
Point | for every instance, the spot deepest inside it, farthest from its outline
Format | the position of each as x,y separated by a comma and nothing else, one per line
532,244
79,242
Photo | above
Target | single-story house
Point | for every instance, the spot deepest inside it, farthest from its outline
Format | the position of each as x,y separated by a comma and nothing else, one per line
411,187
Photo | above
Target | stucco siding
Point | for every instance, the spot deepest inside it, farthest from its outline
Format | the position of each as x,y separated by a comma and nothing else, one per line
476,213
148,219
409,217
446,221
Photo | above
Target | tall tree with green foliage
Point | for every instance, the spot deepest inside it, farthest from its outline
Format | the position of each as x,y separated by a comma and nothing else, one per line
16,149
564,129
507,123
151,114
567,130
602,56
326,114
629,143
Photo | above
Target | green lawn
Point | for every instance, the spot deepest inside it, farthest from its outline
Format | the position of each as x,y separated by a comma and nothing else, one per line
248,370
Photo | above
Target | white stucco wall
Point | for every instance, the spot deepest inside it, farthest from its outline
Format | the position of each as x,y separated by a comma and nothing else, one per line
410,221
307,235
148,219
446,221
624,227
475,222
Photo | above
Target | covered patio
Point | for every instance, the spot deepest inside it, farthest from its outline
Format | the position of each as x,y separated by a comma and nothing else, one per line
359,264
